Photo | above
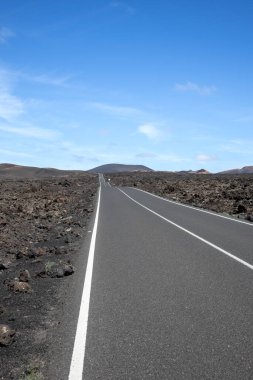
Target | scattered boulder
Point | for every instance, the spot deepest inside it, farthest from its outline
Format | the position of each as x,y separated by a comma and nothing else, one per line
19,255
57,270
249,217
24,276
5,264
19,287
31,255
61,250
40,251
6,335
241,209
68,269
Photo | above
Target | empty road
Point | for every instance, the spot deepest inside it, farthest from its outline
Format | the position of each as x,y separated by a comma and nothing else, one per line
170,293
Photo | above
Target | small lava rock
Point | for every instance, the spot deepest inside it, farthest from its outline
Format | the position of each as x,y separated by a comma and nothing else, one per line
19,287
40,251
31,255
61,250
19,255
6,335
2,310
3,266
24,276
68,269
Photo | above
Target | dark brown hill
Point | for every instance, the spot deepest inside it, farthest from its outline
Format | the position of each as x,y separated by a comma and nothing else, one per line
244,170
18,171
118,168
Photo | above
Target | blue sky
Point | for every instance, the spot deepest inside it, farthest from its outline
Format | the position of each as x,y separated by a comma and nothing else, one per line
165,83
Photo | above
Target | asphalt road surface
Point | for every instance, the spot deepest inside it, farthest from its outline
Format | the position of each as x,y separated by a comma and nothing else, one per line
171,292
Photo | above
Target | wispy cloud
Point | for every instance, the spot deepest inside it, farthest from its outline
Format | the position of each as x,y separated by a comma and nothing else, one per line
14,118
146,155
13,153
238,146
123,6
195,88
30,131
10,105
5,34
161,157
150,131
115,110
205,158
47,79
171,158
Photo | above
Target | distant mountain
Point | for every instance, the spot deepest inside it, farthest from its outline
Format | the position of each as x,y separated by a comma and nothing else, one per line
244,170
200,171
117,168
18,171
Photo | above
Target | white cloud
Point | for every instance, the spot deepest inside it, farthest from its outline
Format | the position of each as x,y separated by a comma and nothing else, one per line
10,105
13,112
170,158
161,157
150,131
196,88
47,79
206,158
123,6
115,110
30,131
239,146
146,155
5,34
14,153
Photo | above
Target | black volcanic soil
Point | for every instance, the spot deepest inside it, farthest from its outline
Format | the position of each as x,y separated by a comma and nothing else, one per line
42,223
231,194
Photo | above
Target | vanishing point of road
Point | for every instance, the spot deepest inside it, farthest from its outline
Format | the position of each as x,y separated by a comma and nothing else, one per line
167,294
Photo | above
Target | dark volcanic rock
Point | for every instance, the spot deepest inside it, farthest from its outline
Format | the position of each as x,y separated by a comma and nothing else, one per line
24,276
36,217
19,286
61,250
6,335
57,270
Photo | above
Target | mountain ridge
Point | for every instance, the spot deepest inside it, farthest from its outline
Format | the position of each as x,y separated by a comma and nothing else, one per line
117,168
8,170
243,170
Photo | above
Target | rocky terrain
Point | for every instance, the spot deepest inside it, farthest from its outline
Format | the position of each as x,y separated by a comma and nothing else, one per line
42,222
231,194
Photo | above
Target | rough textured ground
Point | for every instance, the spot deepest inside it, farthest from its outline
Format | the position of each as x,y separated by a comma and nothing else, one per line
232,194
42,223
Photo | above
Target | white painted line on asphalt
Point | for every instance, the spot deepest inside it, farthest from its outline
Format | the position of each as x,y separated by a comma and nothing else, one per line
76,367
192,234
194,208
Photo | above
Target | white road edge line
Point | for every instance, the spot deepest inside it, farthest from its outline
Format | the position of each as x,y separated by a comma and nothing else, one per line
191,233
194,208
76,367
